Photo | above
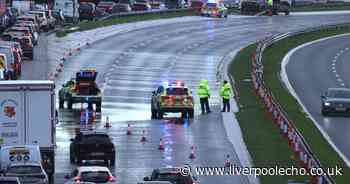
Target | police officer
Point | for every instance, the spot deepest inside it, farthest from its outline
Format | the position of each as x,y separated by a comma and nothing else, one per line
225,92
204,95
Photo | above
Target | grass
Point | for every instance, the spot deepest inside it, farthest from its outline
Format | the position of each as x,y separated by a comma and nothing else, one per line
83,26
323,7
263,139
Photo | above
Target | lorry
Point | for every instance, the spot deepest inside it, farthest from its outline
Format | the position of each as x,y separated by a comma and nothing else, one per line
82,89
23,6
28,116
70,9
257,6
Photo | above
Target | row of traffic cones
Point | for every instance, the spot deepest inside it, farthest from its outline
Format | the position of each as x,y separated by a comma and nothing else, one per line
161,145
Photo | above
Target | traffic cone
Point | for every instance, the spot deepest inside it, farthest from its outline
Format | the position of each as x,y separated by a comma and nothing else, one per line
128,132
108,124
161,144
227,161
143,138
192,155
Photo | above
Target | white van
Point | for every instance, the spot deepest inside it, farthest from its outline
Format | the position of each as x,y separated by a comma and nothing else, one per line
69,8
19,154
3,68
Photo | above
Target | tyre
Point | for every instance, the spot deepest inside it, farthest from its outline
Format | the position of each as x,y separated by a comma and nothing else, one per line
324,113
154,114
70,104
160,115
61,104
286,13
79,161
71,158
112,162
191,114
98,107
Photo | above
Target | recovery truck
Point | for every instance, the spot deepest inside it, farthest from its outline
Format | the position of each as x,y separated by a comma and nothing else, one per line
27,117
256,6
82,89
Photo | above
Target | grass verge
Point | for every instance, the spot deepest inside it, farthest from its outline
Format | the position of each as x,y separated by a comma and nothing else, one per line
263,139
322,7
83,26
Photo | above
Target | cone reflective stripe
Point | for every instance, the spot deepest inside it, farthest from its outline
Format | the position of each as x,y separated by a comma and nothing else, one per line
128,131
192,155
143,138
161,144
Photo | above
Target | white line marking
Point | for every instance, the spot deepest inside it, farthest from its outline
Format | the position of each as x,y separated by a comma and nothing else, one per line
285,79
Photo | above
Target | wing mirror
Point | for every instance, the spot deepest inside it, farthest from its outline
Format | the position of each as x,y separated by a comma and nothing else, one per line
153,92
71,139
323,96
146,178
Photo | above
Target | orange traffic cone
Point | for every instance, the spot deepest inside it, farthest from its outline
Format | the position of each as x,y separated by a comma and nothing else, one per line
128,132
143,138
227,161
192,155
161,144
108,124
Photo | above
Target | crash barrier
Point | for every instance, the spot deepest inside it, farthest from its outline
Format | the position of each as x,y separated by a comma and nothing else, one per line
296,141
136,13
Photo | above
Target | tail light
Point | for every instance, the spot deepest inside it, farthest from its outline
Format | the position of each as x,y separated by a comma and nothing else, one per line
77,179
111,178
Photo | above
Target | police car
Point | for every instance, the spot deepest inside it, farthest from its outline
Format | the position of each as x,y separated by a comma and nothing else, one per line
172,97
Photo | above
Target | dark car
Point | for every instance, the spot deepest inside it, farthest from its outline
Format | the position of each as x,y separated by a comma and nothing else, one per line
120,8
87,11
172,175
336,100
141,6
107,6
92,146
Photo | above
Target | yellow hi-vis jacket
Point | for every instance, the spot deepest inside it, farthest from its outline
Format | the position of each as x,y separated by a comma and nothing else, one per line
203,90
225,91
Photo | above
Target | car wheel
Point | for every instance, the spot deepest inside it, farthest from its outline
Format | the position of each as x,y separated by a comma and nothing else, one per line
112,162
191,113
160,115
98,107
324,113
79,161
70,104
286,13
154,114
61,104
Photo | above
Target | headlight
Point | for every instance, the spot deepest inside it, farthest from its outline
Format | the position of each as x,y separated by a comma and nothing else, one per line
327,104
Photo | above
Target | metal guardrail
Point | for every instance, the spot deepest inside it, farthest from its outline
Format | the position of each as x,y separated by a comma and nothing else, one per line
129,14
297,142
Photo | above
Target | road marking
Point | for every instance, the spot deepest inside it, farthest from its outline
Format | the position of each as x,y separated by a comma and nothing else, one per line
333,68
336,75
334,71
333,64
339,80
342,84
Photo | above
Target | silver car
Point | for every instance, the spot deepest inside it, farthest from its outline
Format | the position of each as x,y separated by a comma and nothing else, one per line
28,173
336,100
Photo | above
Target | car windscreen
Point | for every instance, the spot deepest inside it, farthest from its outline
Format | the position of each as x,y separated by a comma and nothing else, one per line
174,178
103,3
176,91
95,176
96,138
339,94
85,8
26,169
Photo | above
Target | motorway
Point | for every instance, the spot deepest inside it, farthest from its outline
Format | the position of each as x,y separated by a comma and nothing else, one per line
130,66
329,69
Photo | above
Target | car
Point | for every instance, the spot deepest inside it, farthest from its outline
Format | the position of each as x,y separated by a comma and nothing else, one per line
107,6
92,146
46,21
336,100
120,8
15,45
30,27
95,174
14,59
87,11
26,31
196,5
28,173
172,97
81,89
214,10
26,45
30,18
28,23
9,180
171,174
138,6
154,182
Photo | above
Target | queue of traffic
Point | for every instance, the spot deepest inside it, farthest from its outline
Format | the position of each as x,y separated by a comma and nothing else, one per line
19,39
